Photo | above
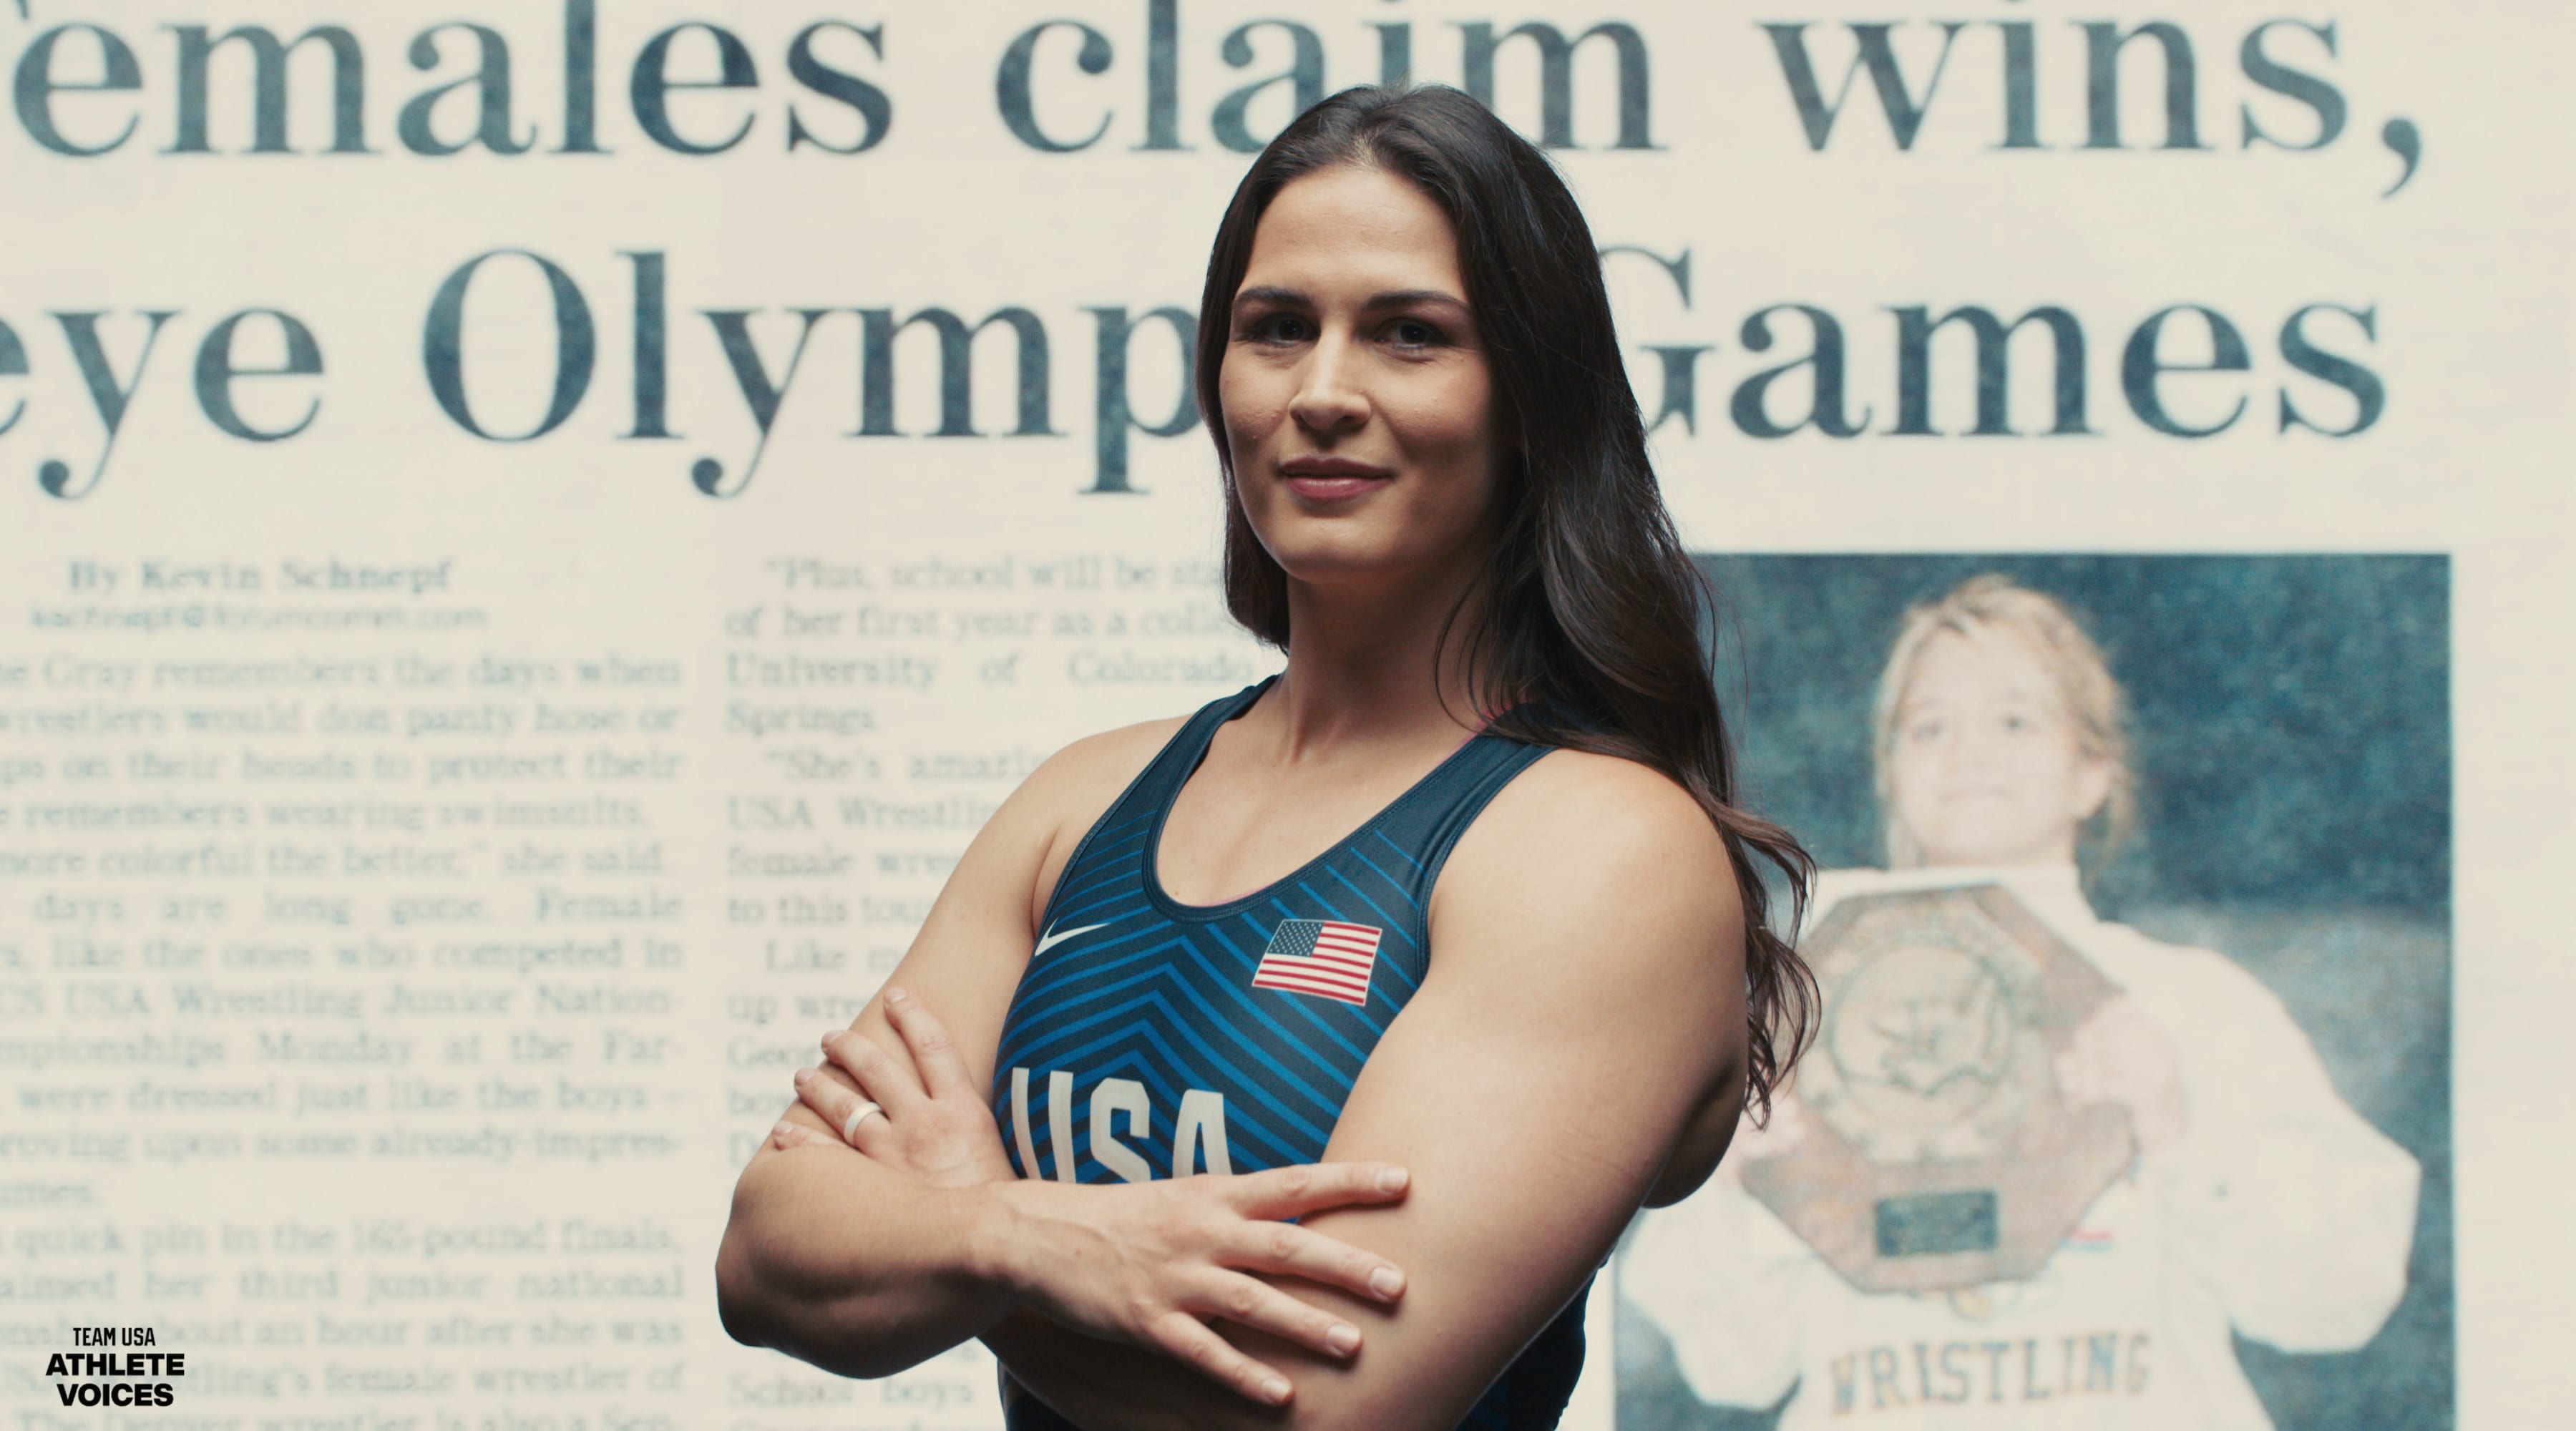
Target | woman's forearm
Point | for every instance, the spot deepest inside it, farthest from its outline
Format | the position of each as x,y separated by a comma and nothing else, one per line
1093,1383
855,1267
843,1257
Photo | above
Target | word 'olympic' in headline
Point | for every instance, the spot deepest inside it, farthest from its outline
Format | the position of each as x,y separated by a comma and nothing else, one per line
1811,391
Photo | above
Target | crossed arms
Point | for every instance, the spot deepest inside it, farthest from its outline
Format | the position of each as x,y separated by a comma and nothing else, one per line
1583,1013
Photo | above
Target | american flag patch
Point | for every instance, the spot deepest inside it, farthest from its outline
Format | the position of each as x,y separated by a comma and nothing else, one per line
1320,956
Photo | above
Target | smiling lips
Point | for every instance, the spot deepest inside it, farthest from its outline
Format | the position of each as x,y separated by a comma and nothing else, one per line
1327,478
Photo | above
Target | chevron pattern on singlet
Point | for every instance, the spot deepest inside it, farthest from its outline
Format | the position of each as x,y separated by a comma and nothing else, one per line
1138,1046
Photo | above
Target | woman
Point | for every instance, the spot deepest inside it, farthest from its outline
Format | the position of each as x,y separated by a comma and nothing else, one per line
1496,723
2259,1203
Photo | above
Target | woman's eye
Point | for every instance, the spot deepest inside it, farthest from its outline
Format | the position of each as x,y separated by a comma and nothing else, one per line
1411,333
1924,730
1277,328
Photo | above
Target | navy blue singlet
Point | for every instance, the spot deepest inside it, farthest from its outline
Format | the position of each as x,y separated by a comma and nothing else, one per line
1151,1039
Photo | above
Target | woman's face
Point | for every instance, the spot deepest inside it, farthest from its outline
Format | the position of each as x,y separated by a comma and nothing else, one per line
1358,406
1987,768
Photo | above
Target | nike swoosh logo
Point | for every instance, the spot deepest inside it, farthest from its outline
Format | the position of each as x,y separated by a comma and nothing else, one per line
1058,937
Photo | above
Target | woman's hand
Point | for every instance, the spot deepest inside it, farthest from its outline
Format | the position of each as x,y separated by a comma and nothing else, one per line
1147,1263
1143,1263
2118,1055
933,1122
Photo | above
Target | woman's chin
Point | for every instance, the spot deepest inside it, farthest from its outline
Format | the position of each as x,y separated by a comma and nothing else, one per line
1343,553
1379,557
1339,573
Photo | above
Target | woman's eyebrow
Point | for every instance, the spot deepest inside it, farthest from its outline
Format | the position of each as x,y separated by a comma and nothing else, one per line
1396,298
1408,297
1288,296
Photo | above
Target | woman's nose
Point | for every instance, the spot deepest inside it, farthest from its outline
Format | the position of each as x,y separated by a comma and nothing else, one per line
1329,396
1984,751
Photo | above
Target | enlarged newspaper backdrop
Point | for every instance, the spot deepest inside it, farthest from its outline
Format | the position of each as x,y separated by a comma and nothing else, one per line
535,533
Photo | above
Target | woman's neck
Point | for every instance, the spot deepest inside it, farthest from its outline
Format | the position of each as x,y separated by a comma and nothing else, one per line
1362,661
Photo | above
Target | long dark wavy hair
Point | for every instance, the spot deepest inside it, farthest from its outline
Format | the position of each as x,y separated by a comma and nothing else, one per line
1589,634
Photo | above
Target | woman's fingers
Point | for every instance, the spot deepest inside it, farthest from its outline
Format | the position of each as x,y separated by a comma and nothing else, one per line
833,1100
1186,1339
1301,1252
1256,1304
1312,1187
881,1075
795,1135
1276,1246
934,1053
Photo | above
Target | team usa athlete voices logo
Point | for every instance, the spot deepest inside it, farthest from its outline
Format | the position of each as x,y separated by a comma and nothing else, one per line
120,1374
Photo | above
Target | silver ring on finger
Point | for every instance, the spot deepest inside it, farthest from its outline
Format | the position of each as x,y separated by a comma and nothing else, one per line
858,1115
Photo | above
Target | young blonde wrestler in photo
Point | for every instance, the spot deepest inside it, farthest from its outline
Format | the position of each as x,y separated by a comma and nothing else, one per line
2260,1204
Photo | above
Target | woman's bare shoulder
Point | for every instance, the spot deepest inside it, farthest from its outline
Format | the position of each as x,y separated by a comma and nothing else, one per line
1602,831
1070,790
1003,881
1090,772
1590,796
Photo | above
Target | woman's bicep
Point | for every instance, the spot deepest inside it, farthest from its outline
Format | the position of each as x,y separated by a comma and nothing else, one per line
1582,1004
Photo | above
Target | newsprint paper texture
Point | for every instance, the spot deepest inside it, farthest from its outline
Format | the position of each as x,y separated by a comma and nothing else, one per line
534,532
